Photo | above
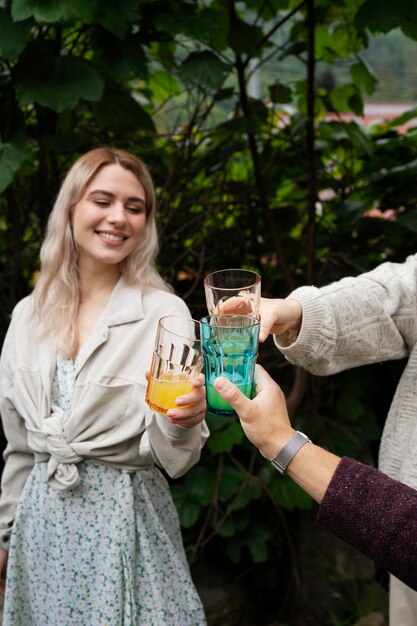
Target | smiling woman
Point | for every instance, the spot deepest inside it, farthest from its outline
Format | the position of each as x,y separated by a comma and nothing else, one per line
93,532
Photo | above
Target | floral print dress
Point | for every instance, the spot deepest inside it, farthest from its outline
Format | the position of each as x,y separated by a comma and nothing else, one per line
107,552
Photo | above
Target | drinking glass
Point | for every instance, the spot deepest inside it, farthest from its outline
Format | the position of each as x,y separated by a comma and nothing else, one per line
230,348
176,361
233,291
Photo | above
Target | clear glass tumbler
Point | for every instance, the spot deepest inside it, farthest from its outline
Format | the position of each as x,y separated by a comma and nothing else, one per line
233,291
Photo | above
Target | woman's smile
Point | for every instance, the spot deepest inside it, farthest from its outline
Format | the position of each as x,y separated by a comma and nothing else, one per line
110,236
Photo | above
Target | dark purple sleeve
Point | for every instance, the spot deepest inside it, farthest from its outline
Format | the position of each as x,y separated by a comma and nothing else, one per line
376,515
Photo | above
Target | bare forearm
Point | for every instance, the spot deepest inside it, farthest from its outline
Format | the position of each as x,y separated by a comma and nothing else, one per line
312,468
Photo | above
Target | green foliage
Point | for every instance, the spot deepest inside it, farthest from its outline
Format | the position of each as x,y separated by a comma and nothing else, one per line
55,82
249,172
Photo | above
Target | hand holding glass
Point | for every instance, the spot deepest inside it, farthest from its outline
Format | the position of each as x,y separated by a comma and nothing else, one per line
230,349
176,361
233,291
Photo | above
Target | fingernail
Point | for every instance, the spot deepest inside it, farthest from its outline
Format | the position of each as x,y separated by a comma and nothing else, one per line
172,413
179,401
220,383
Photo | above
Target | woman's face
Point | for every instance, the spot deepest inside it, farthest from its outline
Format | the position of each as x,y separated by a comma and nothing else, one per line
109,220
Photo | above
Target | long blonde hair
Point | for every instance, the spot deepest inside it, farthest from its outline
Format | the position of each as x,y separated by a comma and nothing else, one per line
57,291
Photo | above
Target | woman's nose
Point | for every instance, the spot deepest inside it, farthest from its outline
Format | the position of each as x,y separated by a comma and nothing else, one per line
117,214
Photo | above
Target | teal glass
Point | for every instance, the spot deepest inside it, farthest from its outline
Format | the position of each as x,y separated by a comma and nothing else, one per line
230,347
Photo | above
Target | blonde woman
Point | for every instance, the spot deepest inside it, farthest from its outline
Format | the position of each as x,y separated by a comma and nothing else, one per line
93,532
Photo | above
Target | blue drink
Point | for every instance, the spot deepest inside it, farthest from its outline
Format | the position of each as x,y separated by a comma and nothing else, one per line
230,348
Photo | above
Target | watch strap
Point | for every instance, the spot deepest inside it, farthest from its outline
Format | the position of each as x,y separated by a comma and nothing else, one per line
289,450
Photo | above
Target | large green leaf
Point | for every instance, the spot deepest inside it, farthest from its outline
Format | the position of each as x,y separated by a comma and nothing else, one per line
45,11
384,15
230,483
13,35
12,156
119,110
225,440
122,58
346,98
244,38
289,495
188,511
116,16
189,21
363,77
200,482
203,68
55,82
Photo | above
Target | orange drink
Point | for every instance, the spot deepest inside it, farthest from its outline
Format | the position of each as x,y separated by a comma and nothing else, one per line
176,361
164,390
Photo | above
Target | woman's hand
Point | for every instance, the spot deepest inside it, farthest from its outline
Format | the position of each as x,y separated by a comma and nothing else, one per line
192,406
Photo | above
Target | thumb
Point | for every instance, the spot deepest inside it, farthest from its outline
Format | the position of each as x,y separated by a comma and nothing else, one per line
263,332
266,323
229,392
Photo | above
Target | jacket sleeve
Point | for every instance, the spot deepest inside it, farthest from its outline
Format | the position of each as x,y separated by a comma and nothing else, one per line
173,447
376,515
18,457
356,321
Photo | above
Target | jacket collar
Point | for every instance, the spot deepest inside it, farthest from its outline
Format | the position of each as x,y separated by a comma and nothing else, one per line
124,306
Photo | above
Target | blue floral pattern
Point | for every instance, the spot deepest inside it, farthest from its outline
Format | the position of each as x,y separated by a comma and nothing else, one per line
108,552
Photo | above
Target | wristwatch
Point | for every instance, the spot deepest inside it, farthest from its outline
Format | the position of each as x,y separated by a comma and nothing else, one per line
289,450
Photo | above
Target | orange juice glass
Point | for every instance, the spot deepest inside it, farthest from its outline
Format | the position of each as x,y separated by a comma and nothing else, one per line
176,361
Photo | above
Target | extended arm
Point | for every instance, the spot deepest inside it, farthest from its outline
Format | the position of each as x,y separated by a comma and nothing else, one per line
355,321
358,503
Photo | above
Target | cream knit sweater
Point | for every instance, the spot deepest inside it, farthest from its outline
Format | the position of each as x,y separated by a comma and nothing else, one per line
362,320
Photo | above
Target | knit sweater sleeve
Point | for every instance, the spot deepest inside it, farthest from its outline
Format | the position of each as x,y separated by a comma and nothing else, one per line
376,515
356,321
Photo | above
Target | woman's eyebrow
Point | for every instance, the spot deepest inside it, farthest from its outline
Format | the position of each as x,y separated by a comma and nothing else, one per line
109,194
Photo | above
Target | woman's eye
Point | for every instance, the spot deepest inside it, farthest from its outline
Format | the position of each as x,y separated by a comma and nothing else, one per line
135,209
102,202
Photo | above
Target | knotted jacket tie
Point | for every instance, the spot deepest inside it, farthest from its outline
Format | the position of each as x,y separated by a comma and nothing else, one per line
62,465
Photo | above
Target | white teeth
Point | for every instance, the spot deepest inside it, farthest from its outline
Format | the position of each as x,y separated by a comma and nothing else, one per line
111,237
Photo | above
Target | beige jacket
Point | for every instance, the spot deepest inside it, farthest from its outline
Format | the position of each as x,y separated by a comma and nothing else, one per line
110,421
